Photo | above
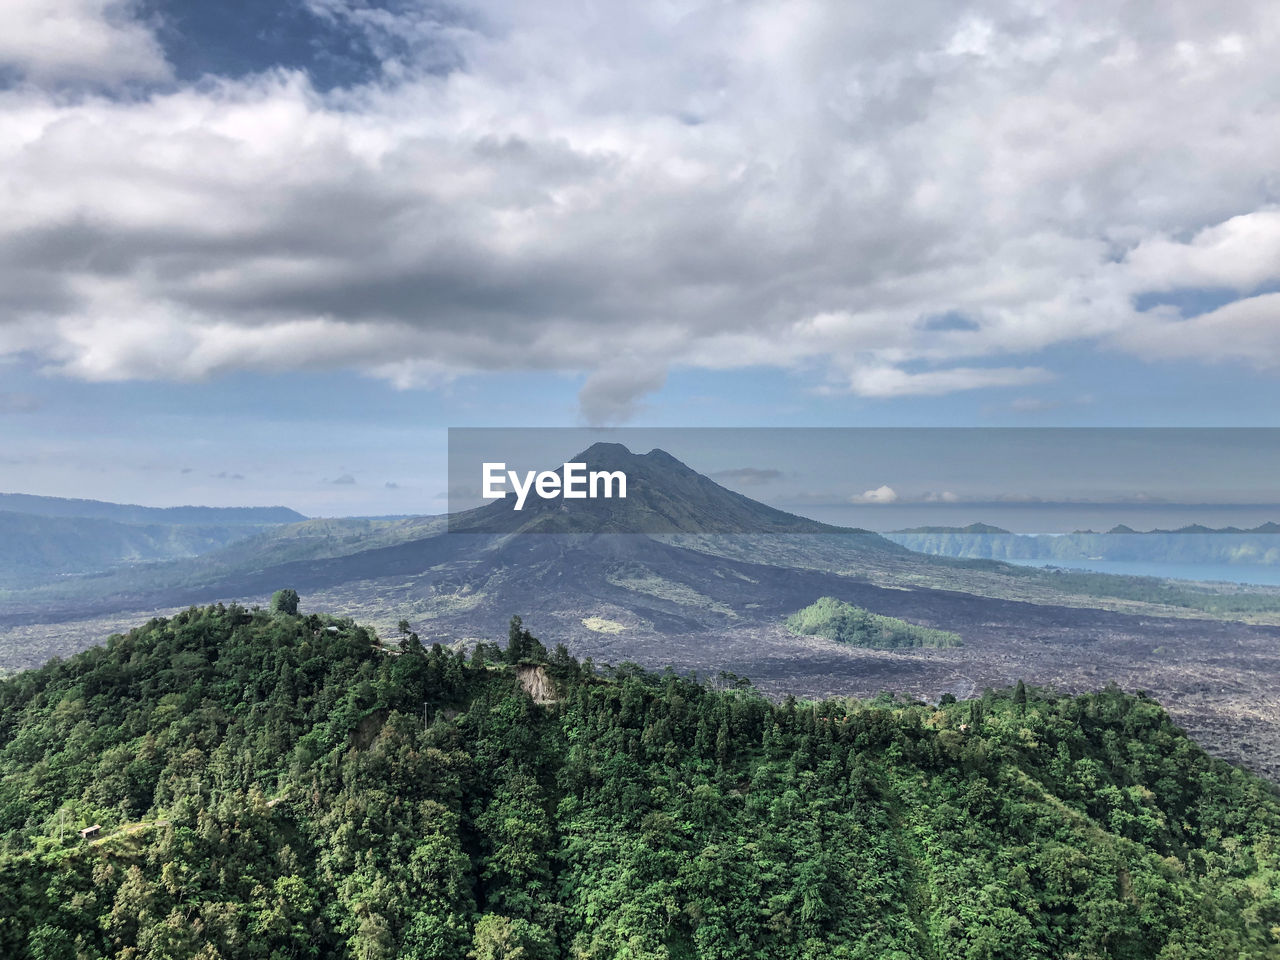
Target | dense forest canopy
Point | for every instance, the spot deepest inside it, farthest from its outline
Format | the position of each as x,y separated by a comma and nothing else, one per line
275,785
845,623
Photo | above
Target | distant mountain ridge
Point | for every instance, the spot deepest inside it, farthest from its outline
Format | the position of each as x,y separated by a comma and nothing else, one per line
133,513
48,537
681,553
1193,544
1120,528
971,528
34,548
1194,528
481,563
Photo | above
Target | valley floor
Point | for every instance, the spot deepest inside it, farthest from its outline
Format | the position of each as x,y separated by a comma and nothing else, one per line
1217,679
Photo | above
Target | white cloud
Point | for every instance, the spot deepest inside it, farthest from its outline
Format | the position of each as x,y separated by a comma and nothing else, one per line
1241,253
1246,331
881,494
610,194
96,41
892,382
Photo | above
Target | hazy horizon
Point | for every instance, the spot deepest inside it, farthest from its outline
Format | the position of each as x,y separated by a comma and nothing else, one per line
1027,481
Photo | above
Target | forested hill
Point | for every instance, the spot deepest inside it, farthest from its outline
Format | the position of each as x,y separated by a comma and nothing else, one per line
282,786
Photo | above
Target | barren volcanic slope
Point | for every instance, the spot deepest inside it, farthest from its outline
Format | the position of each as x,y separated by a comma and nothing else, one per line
712,601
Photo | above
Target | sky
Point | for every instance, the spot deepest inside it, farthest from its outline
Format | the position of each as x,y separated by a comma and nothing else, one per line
261,253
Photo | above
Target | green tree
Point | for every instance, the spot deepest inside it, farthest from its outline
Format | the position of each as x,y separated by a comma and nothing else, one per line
504,938
287,802
285,601
517,637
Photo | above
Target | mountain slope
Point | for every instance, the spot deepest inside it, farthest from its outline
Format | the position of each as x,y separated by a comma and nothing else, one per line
663,495
34,547
46,537
483,568
266,785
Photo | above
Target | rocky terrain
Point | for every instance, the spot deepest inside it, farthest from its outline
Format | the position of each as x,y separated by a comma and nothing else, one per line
714,601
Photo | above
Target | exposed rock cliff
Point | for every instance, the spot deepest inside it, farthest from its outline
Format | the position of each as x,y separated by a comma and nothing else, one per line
535,681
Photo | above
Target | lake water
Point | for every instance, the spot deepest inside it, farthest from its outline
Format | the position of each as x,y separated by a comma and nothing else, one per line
1228,572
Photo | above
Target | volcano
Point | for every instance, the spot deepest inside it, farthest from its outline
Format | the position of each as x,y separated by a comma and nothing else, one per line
707,586
679,552
663,496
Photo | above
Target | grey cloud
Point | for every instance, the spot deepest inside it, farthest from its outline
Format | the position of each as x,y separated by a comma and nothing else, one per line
614,394
885,205
224,475
345,479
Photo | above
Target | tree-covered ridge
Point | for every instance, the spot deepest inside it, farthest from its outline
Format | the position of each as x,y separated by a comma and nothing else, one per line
274,785
845,623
